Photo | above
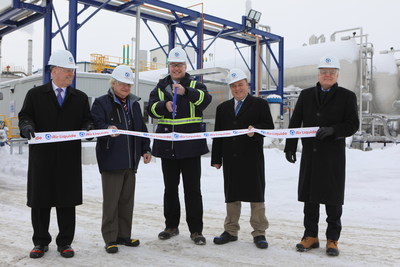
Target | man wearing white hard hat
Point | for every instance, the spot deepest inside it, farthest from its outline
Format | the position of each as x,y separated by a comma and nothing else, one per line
55,169
118,157
242,158
177,103
322,167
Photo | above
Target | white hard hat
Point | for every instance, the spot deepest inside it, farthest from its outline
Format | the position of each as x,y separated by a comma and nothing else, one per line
235,75
329,61
123,73
63,59
177,55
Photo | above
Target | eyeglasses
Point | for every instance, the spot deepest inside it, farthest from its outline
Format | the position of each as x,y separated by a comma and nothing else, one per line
327,72
177,65
123,84
67,70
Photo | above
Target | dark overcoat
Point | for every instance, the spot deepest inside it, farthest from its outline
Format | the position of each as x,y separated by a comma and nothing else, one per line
242,157
323,162
124,151
55,169
190,107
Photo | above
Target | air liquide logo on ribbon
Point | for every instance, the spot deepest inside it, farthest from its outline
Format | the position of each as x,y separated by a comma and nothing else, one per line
82,134
47,136
292,132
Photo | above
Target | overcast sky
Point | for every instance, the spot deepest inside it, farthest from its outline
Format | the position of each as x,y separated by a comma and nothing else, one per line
295,20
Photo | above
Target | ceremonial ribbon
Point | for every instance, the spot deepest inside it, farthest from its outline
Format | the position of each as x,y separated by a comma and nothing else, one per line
51,137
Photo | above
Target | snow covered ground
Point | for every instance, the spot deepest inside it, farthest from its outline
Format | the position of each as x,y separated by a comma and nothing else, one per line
371,218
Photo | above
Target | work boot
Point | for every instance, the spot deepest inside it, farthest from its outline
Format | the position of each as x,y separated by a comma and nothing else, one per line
332,247
198,238
66,251
38,251
307,243
224,238
111,247
260,241
128,242
168,233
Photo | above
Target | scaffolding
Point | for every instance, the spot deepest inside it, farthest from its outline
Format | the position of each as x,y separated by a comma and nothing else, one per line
194,25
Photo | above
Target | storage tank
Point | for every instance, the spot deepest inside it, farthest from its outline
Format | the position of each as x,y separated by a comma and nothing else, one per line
301,66
385,87
5,5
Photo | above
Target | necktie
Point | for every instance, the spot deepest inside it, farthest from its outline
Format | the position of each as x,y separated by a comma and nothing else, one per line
124,105
323,95
59,96
238,106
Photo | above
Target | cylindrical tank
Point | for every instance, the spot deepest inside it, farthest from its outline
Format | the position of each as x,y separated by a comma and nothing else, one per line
301,64
5,5
301,70
385,88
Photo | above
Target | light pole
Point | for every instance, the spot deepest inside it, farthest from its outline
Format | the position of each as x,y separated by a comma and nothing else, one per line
133,41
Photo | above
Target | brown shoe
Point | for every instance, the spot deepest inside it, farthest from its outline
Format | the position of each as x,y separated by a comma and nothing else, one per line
307,243
168,233
198,238
332,247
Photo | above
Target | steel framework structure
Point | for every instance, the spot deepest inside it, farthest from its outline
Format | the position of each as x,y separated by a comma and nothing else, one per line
172,16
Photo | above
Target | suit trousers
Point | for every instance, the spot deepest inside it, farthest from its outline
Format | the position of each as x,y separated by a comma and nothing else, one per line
191,173
66,225
311,218
258,220
118,199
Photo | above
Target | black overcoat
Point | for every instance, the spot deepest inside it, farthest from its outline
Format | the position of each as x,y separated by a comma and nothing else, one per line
242,157
323,162
55,169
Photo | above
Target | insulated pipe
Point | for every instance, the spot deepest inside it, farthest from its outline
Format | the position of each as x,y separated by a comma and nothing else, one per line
137,50
29,69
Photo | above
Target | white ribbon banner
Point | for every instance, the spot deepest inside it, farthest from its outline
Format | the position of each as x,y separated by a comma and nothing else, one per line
51,137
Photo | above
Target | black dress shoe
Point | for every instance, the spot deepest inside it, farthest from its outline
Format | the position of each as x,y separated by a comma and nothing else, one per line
38,251
128,242
66,251
260,241
224,238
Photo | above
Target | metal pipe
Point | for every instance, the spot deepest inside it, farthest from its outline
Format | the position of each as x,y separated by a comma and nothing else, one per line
1,70
361,79
29,69
137,50
384,124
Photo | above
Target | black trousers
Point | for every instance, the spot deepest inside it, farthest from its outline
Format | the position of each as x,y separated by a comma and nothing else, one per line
311,218
191,172
66,225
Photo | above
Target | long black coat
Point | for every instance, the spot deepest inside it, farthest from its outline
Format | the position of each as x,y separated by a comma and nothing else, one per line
242,157
55,169
323,162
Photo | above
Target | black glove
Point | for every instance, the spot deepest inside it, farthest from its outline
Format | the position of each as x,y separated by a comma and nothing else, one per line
324,132
290,156
89,127
27,131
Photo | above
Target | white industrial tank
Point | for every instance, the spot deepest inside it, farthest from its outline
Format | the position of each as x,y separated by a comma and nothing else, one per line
385,89
301,70
5,5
